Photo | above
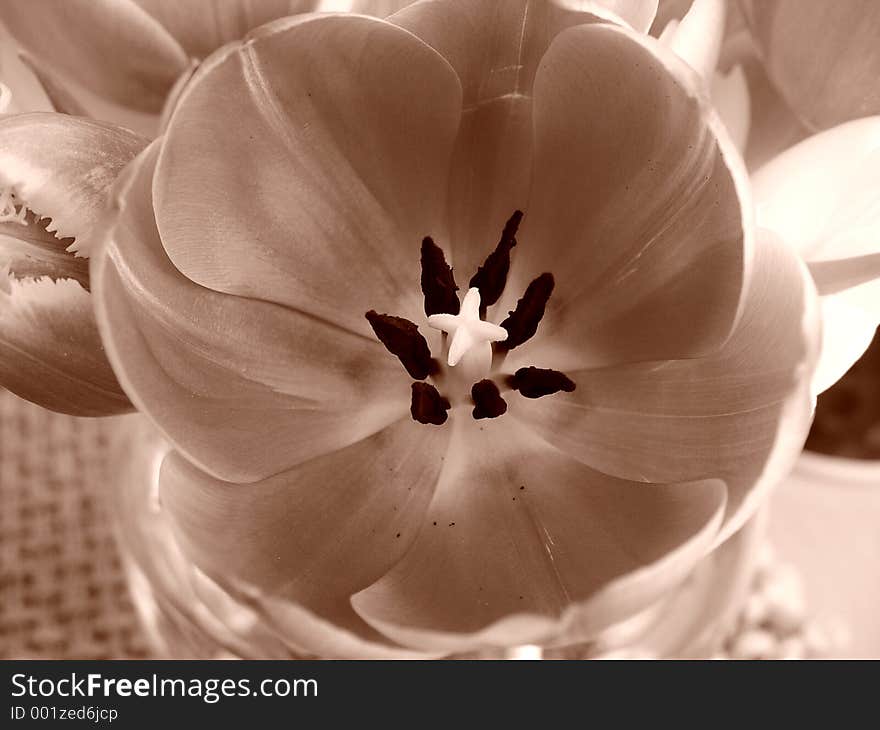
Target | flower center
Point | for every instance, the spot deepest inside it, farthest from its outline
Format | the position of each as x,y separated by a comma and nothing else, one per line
475,348
472,338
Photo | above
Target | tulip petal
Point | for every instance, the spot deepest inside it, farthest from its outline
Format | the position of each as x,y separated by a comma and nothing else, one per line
730,95
112,47
62,99
693,620
50,351
696,39
495,47
847,331
201,26
376,8
522,543
819,190
823,56
740,415
637,13
305,166
642,212
62,167
772,125
25,91
244,388
822,197
318,533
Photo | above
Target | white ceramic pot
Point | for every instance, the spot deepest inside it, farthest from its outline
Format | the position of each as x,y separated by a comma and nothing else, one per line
825,519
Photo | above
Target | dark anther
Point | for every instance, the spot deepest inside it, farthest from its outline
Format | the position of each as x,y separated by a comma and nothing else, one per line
522,322
492,275
488,402
537,382
438,283
428,406
403,339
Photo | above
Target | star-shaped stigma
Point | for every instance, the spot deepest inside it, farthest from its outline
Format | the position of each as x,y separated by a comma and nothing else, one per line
470,335
476,347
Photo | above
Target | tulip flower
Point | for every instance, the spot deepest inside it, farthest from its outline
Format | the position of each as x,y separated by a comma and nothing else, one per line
54,174
457,325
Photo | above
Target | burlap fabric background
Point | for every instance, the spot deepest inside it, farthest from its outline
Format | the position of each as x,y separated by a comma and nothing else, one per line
62,590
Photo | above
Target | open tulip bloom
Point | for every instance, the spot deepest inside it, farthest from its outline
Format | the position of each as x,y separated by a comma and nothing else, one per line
459,325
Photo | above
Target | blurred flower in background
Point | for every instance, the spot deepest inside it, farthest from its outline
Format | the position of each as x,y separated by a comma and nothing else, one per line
55,171
121,60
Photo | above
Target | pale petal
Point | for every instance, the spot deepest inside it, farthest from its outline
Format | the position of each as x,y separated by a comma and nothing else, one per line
847,330
174,95
318,533
642,212
730,95
50,351
25,91
693,620
773,126
495,47
60,96
6,105
378,8
819,190
637,13
522,544
112,47
201,26
62,167
823,56
304,167
740,415
823,197
696,39
242,387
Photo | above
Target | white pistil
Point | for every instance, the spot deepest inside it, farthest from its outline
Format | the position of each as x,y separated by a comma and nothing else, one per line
472,338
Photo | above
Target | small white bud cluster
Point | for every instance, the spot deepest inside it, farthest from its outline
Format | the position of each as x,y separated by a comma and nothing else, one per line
775,624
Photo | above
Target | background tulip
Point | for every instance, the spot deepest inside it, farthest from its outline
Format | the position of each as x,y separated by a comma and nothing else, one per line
54,174
249,245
